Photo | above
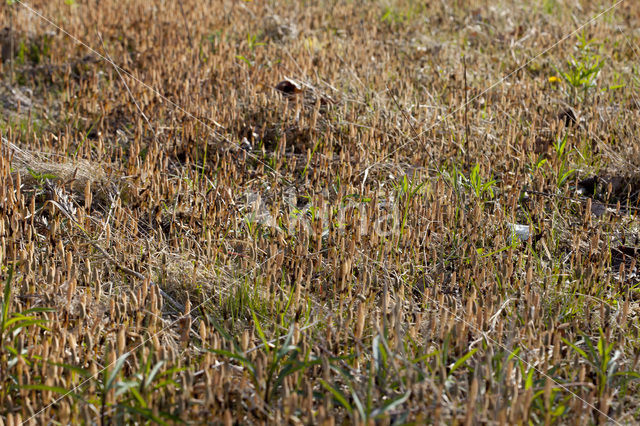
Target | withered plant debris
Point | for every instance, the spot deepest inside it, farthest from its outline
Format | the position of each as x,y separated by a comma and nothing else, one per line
333,214
542,145
567,116
612,189
289,88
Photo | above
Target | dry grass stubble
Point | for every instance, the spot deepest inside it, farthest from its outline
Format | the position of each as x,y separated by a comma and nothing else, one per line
346,241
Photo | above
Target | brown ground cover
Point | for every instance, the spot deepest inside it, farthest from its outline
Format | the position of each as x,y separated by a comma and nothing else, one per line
319,212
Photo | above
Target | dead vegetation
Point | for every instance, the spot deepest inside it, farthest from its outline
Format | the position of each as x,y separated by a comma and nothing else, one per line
331,213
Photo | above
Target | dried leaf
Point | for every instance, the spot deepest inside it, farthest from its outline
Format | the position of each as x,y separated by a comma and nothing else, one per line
289,88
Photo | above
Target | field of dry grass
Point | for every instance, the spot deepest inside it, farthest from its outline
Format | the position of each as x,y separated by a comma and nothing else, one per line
331,212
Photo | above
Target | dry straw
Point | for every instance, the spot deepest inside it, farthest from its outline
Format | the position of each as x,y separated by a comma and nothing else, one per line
398,296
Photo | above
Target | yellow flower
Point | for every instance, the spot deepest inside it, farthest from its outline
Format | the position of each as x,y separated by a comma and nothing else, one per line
554,79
